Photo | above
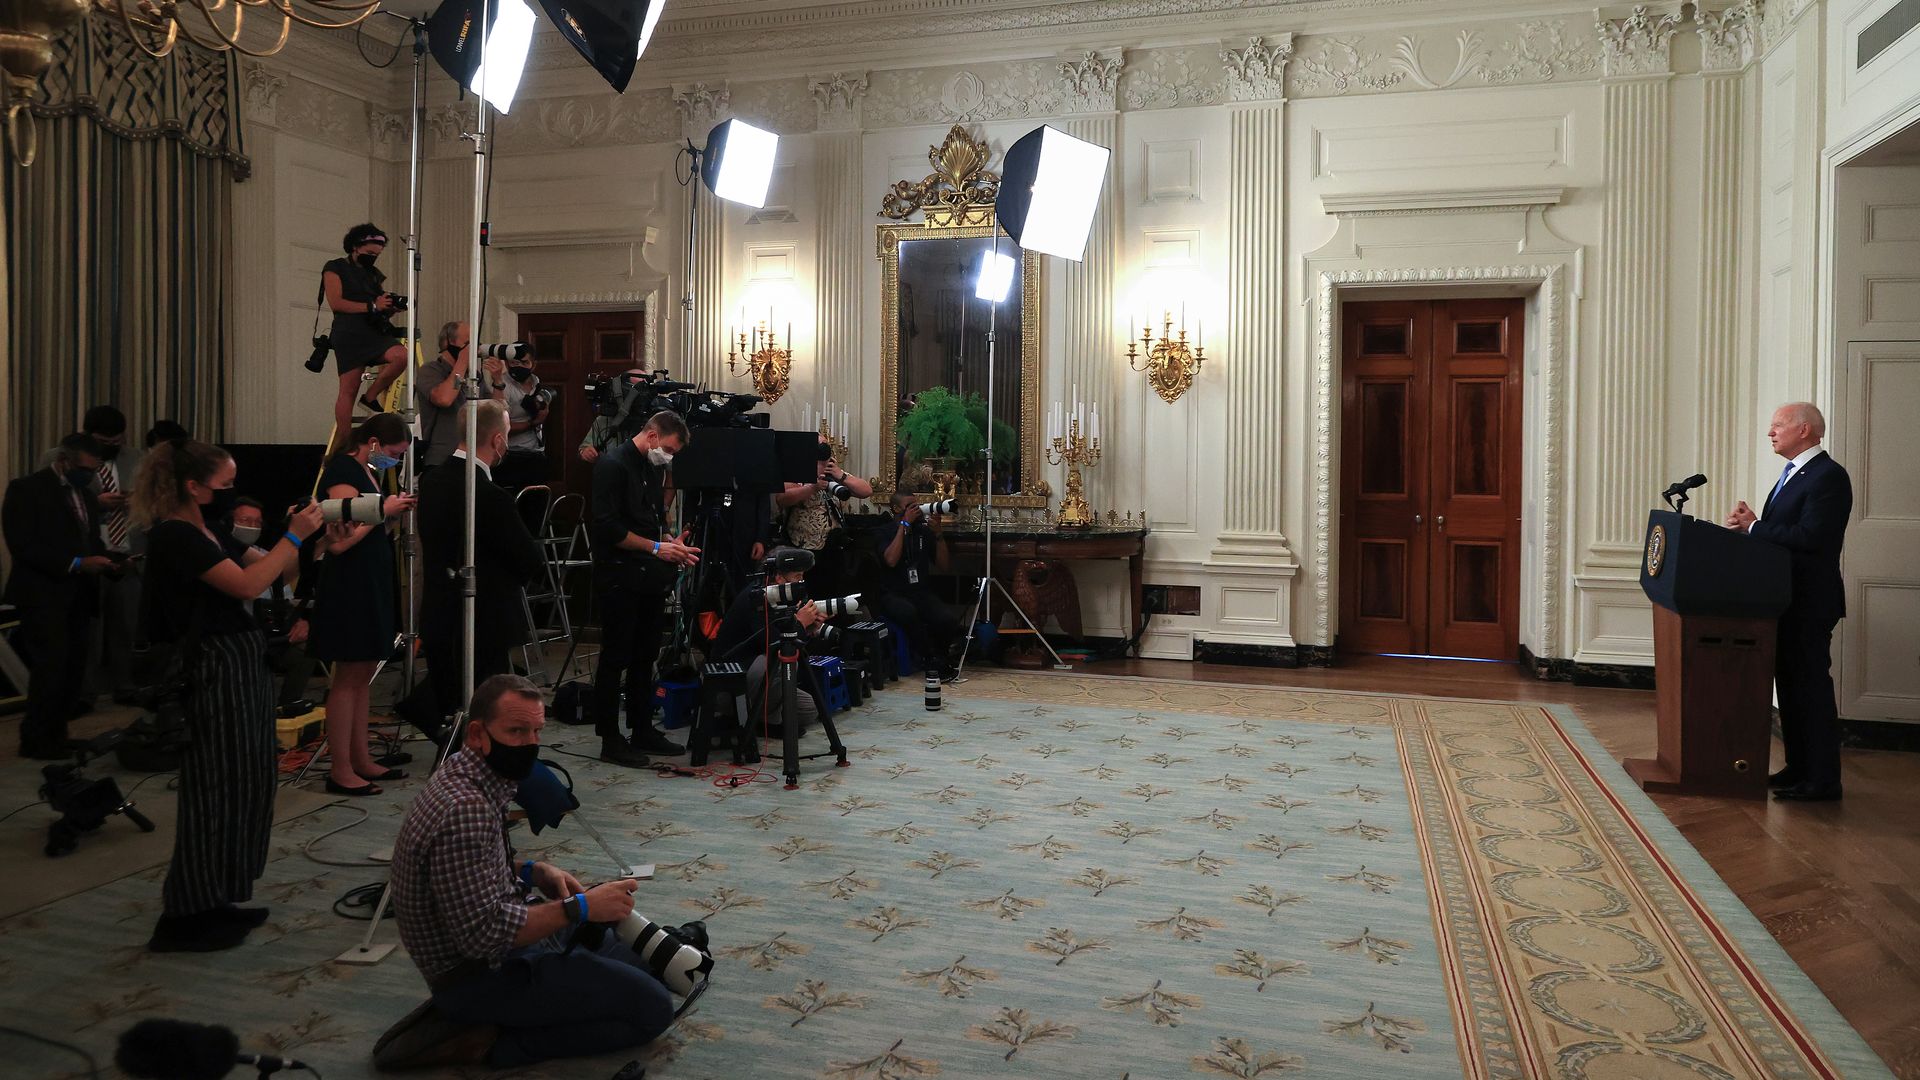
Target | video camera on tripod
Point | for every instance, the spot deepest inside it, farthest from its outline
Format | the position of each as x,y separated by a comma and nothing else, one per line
84,804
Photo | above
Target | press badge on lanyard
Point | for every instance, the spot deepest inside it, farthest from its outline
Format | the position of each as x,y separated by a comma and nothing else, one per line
913,576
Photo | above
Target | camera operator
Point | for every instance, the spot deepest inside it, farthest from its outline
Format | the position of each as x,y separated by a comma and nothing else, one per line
115,638
607,427
356,293
165,431
913,550
198,581
812,511
355,620
633,571
437,395
280,612
506,558
527,405
52,531
507,990
747,632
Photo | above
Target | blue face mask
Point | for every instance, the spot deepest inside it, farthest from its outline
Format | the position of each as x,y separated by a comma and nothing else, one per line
80,477
381,462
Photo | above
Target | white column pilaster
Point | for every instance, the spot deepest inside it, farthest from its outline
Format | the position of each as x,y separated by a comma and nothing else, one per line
1726,48
1088,285
839,250
1630,364
1256,258
701,106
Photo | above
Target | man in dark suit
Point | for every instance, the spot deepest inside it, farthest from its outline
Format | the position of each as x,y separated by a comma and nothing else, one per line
1806,513
52,530
506,558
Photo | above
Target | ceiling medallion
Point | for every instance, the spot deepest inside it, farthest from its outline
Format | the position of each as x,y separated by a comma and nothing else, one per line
960,190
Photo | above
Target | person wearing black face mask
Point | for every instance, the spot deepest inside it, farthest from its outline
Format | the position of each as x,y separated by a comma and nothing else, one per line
52,530
356,293
515,385
437,394
507,989
199,581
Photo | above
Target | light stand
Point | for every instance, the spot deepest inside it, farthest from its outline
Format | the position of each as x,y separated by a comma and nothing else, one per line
410,544
988,581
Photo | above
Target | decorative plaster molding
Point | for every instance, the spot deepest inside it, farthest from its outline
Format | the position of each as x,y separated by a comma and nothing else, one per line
1777,20
634,118
649,302
1641,43
262,92
1727,36
452,121
1340,64
1171,78
1465,201
1090,76
837,100
1014,90
701,106
1542,52
1259,71
1551,278
386,129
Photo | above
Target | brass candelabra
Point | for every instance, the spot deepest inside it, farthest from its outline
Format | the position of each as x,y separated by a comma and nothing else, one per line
1077,452
836,443
1170,363
758,354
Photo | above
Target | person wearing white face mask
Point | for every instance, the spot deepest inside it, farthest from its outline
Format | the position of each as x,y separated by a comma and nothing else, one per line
634,567
506,558
355,617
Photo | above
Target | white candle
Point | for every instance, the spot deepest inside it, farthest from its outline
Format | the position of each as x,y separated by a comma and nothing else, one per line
843,422
1095,432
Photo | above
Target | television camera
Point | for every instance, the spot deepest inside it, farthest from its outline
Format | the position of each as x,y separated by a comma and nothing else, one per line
84,803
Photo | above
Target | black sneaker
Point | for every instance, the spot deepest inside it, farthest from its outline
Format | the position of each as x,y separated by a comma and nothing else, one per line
617,751
651,741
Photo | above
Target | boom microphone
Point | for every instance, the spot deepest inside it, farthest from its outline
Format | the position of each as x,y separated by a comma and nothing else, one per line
177,1050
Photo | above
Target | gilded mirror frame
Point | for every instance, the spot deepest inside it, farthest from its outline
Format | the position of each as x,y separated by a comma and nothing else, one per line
957,204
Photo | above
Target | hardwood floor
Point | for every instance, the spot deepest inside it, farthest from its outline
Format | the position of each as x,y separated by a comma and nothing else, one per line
1837,884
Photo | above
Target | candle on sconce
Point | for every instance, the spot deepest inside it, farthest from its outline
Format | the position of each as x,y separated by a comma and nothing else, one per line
1094,431
841,431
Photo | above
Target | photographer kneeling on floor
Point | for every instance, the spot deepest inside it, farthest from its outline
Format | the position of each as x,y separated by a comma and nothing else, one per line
507,990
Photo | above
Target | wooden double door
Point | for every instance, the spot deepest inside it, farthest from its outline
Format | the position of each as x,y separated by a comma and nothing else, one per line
567,347
1431,477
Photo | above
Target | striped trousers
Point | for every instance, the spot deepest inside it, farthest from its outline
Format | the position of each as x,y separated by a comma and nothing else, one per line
226,778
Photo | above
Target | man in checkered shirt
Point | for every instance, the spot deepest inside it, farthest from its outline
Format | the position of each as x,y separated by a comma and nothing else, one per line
505,989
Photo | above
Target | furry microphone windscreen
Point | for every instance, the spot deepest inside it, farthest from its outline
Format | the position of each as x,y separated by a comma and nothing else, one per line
176,1050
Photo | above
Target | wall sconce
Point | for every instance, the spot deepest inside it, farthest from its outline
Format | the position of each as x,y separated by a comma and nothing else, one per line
757,353
1170,363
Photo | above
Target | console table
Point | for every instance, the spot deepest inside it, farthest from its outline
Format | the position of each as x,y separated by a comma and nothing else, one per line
1014,542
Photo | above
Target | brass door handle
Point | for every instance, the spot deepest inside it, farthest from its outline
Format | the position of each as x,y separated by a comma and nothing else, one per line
1416,519
1442,522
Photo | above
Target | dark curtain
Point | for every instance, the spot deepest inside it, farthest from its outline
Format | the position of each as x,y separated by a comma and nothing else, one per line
118,240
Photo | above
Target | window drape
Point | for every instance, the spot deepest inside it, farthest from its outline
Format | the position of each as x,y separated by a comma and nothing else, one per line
118,241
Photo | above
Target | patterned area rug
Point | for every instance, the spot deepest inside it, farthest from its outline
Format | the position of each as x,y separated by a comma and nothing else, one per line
1079,877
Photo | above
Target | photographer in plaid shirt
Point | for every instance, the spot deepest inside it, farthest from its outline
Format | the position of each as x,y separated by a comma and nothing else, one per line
506,990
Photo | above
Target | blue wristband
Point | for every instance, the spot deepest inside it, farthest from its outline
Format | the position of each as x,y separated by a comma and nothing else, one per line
292,539
656,547
526,872
75,568
580,899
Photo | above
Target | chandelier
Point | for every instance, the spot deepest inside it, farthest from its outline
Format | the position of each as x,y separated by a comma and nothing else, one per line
157,25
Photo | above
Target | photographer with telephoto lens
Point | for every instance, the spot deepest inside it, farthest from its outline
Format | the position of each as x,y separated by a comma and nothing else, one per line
198,582
528,404
354,614
812,511
913,550
436,393
362,335
748,630
280,610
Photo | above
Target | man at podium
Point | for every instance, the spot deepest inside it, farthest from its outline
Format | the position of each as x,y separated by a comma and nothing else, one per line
1806,513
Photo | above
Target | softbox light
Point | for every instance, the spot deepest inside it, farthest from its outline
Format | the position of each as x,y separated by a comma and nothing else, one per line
737,164
1049,188
454,41
994,276
609,34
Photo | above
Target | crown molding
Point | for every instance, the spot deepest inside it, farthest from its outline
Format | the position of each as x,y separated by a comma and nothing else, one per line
1468,200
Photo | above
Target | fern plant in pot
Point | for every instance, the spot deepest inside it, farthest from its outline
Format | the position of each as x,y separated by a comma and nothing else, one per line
937,431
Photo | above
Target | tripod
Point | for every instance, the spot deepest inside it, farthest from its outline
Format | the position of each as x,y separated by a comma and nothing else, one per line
784,657
987,580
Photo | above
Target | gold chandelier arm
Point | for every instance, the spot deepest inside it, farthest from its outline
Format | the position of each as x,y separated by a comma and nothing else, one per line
366,11
139,34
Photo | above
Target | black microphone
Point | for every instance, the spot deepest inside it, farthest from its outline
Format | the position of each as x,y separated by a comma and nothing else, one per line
177,1050
1681,487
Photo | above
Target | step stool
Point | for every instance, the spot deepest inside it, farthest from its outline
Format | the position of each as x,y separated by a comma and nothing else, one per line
833,679
858,691
875,640
722,715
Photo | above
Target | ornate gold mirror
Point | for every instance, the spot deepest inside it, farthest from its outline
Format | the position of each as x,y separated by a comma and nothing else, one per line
933,331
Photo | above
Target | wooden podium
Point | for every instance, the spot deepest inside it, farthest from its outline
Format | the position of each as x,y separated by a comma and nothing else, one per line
1717,597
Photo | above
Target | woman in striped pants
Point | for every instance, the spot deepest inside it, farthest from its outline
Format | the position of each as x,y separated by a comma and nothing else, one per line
197,582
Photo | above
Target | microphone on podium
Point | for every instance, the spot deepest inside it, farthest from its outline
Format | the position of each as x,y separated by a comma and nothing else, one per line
1679,488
